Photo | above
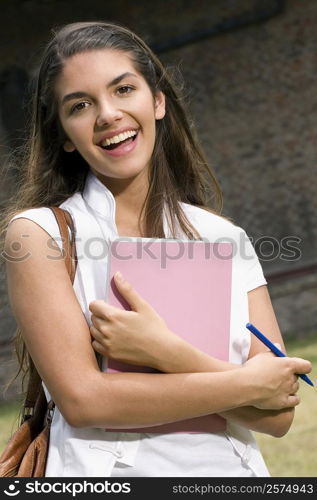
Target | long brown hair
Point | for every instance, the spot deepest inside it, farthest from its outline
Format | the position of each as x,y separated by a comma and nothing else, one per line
48,175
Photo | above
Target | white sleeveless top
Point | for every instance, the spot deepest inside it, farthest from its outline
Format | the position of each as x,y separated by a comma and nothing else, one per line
91,452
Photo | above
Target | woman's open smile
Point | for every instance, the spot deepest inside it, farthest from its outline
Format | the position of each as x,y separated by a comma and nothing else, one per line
120,144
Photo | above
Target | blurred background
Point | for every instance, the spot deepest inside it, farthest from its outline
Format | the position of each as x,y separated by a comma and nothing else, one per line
249,71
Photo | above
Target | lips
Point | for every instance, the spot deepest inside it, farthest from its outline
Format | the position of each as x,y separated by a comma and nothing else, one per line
121,148
116,137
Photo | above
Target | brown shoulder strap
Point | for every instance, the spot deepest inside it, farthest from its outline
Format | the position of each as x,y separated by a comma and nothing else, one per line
64,221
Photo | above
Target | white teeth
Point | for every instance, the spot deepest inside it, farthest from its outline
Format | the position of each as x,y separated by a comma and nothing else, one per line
118,138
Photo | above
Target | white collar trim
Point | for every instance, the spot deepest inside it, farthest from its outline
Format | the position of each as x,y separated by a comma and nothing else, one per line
99,197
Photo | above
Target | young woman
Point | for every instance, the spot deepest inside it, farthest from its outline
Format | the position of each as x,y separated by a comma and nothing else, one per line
111,143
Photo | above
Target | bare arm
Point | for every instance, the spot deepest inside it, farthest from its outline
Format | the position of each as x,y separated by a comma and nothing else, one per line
58,339
275,423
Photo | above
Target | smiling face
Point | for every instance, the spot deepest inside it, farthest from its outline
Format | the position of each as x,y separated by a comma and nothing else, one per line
108,113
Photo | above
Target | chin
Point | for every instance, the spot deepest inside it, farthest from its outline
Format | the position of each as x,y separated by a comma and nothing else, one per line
118,176
122,173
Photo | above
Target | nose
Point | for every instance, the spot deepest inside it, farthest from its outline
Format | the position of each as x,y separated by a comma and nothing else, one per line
108,112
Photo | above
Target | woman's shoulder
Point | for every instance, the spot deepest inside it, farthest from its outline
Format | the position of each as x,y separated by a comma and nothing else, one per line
213,227
33,213
210,224
43,217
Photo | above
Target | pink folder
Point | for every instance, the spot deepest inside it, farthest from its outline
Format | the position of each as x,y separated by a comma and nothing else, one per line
189,284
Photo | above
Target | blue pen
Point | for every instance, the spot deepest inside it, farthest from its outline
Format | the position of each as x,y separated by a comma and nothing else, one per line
273,348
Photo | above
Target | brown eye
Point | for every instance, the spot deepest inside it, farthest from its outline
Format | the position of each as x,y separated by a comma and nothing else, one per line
125,89
79,106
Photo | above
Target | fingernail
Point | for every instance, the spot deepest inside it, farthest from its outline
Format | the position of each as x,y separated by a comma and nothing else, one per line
119,276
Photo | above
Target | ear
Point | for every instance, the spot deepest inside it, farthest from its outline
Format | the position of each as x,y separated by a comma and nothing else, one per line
69,146
159,105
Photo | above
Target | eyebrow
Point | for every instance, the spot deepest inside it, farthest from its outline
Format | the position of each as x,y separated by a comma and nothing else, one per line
78,94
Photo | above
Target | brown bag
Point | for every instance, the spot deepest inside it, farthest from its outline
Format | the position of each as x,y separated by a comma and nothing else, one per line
26,452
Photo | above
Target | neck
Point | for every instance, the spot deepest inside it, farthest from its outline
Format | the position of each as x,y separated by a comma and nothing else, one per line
129,194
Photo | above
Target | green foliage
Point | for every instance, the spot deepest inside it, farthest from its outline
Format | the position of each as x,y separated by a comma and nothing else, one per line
9,416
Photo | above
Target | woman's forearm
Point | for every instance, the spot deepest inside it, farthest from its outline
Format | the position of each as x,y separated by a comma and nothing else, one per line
189,359
129,400
273,422
185,358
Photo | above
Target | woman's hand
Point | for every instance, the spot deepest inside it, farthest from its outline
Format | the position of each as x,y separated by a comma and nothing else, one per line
139,337
275,380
